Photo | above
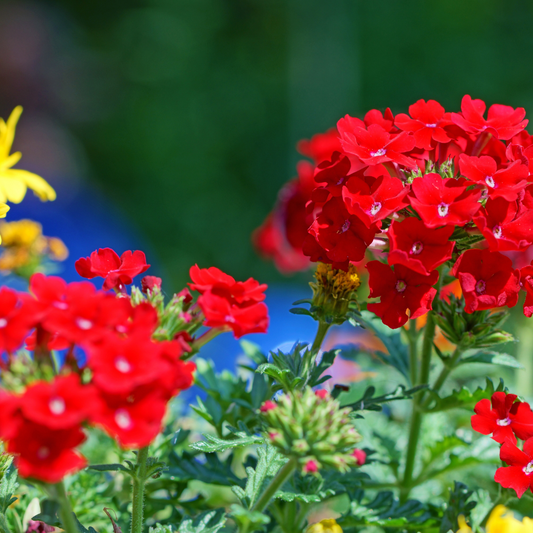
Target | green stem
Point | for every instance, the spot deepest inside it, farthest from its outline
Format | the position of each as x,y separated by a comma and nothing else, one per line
427,347
320,335
413,357
66,513
446,371
416,415
288,468
137,511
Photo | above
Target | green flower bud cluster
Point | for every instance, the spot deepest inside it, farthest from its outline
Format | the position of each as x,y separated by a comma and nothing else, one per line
311,428
471,330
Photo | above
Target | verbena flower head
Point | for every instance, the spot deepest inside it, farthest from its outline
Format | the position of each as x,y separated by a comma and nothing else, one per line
313,429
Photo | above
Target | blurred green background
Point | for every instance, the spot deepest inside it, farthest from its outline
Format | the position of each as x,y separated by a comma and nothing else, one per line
185,113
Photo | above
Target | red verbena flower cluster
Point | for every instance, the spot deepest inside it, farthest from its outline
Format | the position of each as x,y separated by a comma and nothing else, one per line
508,420
412,185
135,362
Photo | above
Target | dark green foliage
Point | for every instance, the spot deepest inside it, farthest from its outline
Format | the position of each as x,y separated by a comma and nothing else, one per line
459,503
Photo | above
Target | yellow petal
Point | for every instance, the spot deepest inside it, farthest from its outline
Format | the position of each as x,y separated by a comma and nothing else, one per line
4,208
12,160
11,190
34,182
9,133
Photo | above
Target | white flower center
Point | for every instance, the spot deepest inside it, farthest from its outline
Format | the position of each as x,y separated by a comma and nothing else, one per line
497,232
442,210
57,405
401,285
60,305
416,248
374,210
431,125
480,286
378,153
123,419
83,323
503,421
528,468
43,452
122,364
230,319
489,180
3,322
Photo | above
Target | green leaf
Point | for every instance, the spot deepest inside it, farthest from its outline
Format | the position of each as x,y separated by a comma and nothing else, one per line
215,444
214,471
398,356
8,486
369,402
207,522
269,461
160,528
462,398
248,520
300,311
458,504
495,358
253,352
112,467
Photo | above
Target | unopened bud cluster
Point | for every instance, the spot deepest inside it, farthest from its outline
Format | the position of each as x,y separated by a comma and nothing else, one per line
333,290
313,429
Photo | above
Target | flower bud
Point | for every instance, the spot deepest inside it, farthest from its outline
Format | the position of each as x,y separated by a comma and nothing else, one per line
325,526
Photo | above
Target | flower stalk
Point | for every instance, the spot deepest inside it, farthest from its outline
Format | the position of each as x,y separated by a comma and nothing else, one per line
137,511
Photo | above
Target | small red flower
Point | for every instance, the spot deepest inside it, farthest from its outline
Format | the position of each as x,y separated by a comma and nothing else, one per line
322,394
375,145
417,247
311,467
502,121
487,279
427,123
401,290
505,419
376,201
269,405
504,182
526,282
517,475
61,404
117,271
444,202
343,237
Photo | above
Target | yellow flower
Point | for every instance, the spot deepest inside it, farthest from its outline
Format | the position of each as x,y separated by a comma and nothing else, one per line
20,232
325,526
13,181
501,521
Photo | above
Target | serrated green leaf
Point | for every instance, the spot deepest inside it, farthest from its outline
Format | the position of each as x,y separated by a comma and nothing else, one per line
216,444
8,486
207,522
458,505
248,520
291,496
462,398
269,461
369,402
160,528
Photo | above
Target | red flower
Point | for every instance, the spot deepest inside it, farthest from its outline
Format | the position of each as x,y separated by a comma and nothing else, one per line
242,320
46,454
506,182
517,476
360,456
117,271
487,279
374,202
333,174
61,404
217,282
385,120
502,121
120,365
343,237
133,419
417,247
427,123
179,375
507,226
16,320
375,145
444,202
321,146
526,282
400,290
505,419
